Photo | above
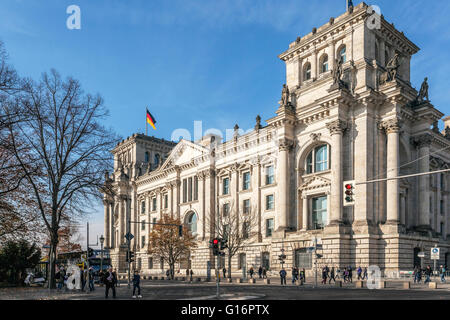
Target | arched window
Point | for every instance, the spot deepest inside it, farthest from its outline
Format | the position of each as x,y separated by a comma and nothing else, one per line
324,63
192,222
317,160
342,53
147,157
307,72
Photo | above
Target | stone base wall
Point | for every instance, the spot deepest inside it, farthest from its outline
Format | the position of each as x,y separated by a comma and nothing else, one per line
392,253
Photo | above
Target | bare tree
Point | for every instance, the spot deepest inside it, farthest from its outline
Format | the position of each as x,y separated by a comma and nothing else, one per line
165,242
65,140
238,227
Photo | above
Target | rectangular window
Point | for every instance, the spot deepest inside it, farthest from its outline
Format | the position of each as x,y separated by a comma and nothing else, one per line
143,225
442,208
150,263
190,189
154,204
225,209
270,175
246,206
143,207
303,259
166,201
245,230
195,188
142,241
184,190
154,221
442,228
270,203
269,227
246,181
226,186
319,212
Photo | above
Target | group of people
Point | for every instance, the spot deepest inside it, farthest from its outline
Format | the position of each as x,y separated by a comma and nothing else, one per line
426,273
262,272
86,277
297,275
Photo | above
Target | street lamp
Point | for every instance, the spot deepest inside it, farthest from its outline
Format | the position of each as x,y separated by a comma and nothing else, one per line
102,239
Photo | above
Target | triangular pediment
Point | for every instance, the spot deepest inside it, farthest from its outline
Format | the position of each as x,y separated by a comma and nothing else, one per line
183,153
315,183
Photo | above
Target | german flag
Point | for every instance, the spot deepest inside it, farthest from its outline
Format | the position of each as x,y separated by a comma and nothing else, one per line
151,120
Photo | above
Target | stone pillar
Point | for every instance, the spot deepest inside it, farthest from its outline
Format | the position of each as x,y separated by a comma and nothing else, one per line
259,205
423,143
305,219
107,223
403,209
283,179
171,199
336,211
332,59
111,243
121,222
178,183
393,162
314,73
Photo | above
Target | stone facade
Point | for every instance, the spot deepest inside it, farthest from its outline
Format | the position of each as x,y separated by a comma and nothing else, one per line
363,129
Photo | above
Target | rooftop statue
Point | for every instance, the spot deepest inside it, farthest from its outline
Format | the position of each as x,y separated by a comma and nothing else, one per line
423,93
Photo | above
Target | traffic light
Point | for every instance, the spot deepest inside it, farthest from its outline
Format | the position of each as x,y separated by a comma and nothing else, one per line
90,252
215,246
349,193
223,244
130,256
180,231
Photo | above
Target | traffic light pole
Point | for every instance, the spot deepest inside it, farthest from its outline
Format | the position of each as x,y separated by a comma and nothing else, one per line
217,278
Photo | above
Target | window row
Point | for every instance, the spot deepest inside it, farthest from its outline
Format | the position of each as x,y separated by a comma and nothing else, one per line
154,205
324,63
190,189
246,180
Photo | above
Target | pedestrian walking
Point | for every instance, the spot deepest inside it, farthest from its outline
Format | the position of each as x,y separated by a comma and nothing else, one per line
332,275
224,270
251,271
350,274
264,273
417,274
191,275
428,273
110,280
359,273
442,271
91,279
136,284
260,271
304,275
116,281
283,276
294,275
324,275
167,274
346,275
365,274
338,273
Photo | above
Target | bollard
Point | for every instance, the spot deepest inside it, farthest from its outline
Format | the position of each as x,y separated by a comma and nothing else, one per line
266,281
229,280
338,284
407,285
359,284
252,281
383,284
199,279
238,280
433,285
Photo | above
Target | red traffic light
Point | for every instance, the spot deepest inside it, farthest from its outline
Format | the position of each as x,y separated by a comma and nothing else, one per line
216,241
348,186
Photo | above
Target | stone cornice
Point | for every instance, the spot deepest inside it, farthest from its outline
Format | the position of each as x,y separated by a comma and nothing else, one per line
391,125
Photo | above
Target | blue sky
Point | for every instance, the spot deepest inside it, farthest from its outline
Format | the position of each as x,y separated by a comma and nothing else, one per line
209,60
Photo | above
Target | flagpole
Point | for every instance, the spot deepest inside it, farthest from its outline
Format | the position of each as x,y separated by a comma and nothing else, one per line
146,124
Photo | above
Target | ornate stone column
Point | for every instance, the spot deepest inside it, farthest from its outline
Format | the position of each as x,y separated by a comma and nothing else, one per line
305,223
111,243
283,179
337,129
107,223
423,143
392,128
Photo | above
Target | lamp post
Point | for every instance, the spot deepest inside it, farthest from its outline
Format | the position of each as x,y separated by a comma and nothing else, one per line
102,239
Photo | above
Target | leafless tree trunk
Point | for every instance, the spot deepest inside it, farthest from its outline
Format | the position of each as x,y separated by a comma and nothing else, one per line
239,228
65,140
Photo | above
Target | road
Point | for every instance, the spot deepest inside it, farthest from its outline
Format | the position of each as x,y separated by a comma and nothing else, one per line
175,290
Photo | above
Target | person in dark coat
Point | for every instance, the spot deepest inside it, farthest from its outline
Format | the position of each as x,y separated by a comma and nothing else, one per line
110,280
283,276
260,271
136,284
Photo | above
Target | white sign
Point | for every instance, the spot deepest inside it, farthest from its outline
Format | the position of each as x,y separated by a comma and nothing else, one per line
421,255
435,252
